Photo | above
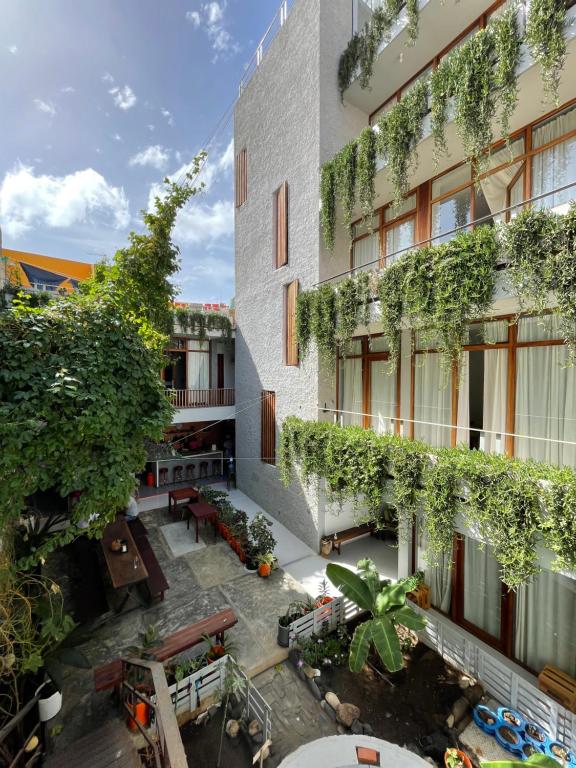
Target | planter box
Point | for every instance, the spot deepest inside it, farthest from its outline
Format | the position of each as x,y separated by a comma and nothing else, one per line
327,617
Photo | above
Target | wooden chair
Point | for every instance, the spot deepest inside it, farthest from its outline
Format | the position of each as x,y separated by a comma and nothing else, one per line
177,473
163,476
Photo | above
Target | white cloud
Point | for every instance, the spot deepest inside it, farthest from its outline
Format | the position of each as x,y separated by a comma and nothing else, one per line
194,18
45,106
68,89
13,49
151,127
217,166
117,137
205,223
211,18
107,78
124,97
83,197
154,156
168,115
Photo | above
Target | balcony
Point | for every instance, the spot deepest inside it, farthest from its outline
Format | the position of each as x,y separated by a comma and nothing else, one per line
202,404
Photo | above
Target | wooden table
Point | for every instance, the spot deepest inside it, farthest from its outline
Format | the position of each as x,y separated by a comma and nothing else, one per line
181,494
201,511
126,569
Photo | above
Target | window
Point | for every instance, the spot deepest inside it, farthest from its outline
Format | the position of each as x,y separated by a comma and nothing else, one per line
482,588
554,166
281,225
368,394
432,406
268,427
290,338
198,364
453,206
366,244
241,181
399,229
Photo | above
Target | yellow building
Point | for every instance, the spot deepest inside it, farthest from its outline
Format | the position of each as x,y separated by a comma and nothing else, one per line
34,271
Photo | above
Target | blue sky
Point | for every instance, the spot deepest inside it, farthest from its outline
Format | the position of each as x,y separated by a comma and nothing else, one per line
100,100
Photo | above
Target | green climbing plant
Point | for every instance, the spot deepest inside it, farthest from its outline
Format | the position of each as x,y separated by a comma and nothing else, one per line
328,204
545,37
391,302
200,323
304,311
345,177
323,323
366,173
507,43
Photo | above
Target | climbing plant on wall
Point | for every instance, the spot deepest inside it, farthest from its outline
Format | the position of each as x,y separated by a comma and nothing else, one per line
328,204
199,323
366,173
511,504
345,177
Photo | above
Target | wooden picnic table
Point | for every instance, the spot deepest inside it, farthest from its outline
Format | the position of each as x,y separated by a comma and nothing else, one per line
181,494
126,569
201,511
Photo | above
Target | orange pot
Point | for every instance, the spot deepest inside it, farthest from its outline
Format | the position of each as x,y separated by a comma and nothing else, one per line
140,710
264,569
215,653
323,601
241,555
462,755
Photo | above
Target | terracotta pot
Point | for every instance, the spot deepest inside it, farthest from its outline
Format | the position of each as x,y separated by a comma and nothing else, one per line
462,755
241,555
140,710
215,653
264,569
323,601
326,547
225,531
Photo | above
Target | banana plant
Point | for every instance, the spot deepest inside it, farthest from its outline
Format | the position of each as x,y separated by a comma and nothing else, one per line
543,761
387,604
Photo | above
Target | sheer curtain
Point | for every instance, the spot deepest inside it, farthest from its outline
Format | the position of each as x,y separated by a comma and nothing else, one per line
494,405
439,577
495,188
545,396
545,622
482,588
382,397
432,400
556,166
351,391
366,251
463,433
198,370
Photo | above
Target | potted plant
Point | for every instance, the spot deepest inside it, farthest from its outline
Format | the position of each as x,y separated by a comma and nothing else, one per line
455,758
326,546
239,530
261,536
265,564
323,596
294,611
251,563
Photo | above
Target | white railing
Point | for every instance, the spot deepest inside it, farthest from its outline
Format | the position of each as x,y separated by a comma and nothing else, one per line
324,618
275,25
499,677
209,684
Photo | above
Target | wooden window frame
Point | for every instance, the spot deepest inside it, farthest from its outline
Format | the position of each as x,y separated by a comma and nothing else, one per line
268,427
367,358
241,178
291,353
280,225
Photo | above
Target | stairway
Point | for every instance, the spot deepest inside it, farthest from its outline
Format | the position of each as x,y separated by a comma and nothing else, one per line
110,746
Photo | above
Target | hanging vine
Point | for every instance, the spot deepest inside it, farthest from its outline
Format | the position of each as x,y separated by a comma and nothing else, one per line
391,303
511,504
366,173
345,173
200,323
563,281
323,323
399,132
413,20
545,37
328,204
507,44
304,312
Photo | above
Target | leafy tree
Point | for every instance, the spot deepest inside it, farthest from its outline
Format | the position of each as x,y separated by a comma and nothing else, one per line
387,604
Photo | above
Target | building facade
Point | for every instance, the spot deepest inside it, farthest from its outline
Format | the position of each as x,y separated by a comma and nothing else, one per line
512,393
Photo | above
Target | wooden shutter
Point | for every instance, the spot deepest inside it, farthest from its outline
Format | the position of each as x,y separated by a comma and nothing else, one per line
281,225
268,426
290,339
241,181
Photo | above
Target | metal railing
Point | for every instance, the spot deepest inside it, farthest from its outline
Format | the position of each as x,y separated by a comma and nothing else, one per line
275,25
201,398
148,685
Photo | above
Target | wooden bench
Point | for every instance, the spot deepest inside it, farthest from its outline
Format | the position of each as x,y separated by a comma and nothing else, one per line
348,534
156,582
110,675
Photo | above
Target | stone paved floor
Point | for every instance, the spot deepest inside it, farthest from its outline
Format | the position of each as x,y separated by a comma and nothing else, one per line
296,715
201,583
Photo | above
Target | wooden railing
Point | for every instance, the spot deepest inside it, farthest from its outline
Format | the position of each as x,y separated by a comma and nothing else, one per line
145,681
201,398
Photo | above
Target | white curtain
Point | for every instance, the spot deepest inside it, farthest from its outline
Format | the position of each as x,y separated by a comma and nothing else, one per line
463,433
382,397
482,588
545,622
432,400
198,370
351,391
366,251
398,238
439,577
556,166
545,405
495,187
494,405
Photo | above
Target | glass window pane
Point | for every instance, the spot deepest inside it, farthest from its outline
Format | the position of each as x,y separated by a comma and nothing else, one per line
432,401
482,400
366,252
362,227
545,405
488,333
383,110
460,43
351,391
398,238
451,180
482,587
516,196
393,212
545,621
198,346
543,328
450,213
382,397
377,344
506,154
556,166
492,193
439,578
427,339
